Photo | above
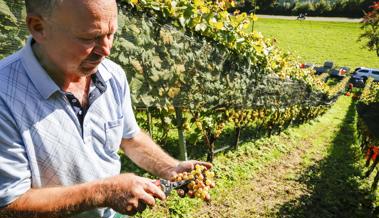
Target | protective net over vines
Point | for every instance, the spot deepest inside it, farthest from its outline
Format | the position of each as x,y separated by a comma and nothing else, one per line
191,62
167,67
13,31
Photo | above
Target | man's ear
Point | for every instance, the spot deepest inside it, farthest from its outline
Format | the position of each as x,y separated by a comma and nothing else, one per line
36,26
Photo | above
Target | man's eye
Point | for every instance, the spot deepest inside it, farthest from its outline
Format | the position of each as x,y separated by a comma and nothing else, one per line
88,40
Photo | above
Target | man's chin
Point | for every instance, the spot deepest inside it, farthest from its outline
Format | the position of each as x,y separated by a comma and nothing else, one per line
86,71
88,68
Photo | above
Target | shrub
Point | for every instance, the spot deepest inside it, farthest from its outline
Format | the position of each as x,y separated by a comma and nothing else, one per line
303,8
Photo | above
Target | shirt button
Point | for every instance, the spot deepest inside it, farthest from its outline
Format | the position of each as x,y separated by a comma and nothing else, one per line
73,100
80,112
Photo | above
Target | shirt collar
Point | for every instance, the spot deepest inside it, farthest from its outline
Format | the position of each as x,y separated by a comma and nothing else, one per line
41,79
98,82
103,72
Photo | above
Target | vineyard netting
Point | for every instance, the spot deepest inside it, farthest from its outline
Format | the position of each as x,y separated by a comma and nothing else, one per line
194,63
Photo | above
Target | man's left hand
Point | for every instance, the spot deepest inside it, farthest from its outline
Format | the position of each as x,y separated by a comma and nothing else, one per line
187,166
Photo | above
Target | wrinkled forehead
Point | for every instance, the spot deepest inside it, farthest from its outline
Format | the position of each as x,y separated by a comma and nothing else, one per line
86,14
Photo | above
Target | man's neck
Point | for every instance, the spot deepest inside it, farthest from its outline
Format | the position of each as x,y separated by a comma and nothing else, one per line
77,85
62,79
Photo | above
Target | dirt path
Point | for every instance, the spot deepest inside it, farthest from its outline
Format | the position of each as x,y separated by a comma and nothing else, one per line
332,19
270,188
319,177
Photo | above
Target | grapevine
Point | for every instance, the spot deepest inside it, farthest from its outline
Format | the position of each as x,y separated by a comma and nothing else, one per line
367,116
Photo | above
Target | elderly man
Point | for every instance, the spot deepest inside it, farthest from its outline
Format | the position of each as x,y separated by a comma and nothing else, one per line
65,111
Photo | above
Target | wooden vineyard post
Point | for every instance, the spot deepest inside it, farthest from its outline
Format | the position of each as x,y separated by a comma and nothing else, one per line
182,140
211,153
210,141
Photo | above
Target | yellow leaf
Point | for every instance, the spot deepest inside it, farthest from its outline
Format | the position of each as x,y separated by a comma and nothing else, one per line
253,17
224,14
134,2
137,66
172,92
180,68
246,26
258,48
218,25
204,10
198,3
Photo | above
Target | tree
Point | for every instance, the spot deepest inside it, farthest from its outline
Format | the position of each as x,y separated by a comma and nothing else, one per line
265,3
370,26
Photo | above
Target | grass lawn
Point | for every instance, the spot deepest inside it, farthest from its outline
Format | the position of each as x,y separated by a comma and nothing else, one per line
318,41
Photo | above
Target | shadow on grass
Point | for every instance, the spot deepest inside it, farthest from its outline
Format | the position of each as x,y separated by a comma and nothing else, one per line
335,182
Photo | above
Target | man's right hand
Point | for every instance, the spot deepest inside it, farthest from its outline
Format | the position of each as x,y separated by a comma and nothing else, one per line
129,194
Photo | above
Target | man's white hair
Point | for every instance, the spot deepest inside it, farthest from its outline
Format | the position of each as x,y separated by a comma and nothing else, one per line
41,7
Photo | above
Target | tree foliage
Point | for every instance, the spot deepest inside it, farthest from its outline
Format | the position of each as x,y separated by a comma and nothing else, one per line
345,8
370,27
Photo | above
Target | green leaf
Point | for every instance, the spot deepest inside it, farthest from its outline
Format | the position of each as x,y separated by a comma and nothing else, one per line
182,21
4,10
156,61
128,46
147,100
200,27
122,59
155,75
167,120
135,84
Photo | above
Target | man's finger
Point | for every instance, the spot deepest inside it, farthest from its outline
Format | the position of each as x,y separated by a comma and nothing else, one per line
190,165
206,164
155,190
147,198
131,207
132,204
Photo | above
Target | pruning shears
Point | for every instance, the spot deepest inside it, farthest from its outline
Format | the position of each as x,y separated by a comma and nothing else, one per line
167,186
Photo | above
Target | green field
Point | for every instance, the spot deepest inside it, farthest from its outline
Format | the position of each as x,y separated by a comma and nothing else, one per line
318,41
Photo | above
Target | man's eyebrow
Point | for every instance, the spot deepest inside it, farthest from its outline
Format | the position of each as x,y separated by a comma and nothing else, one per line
100,33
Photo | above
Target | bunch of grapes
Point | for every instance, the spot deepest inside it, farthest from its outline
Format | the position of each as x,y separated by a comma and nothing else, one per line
201,181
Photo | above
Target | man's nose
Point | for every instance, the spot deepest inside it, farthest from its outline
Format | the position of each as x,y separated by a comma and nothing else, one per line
104,45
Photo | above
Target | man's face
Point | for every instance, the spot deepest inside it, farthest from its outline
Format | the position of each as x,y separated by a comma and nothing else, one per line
79,35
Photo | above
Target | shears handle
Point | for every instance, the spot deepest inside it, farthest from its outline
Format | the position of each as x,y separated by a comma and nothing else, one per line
164,185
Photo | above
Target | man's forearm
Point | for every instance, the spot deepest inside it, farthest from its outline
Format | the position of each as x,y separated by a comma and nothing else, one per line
143,151
56,201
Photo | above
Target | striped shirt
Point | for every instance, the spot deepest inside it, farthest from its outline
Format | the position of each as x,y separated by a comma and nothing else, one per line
42,140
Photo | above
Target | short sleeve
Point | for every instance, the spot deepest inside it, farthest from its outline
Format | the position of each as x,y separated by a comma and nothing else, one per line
131,127
15,176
